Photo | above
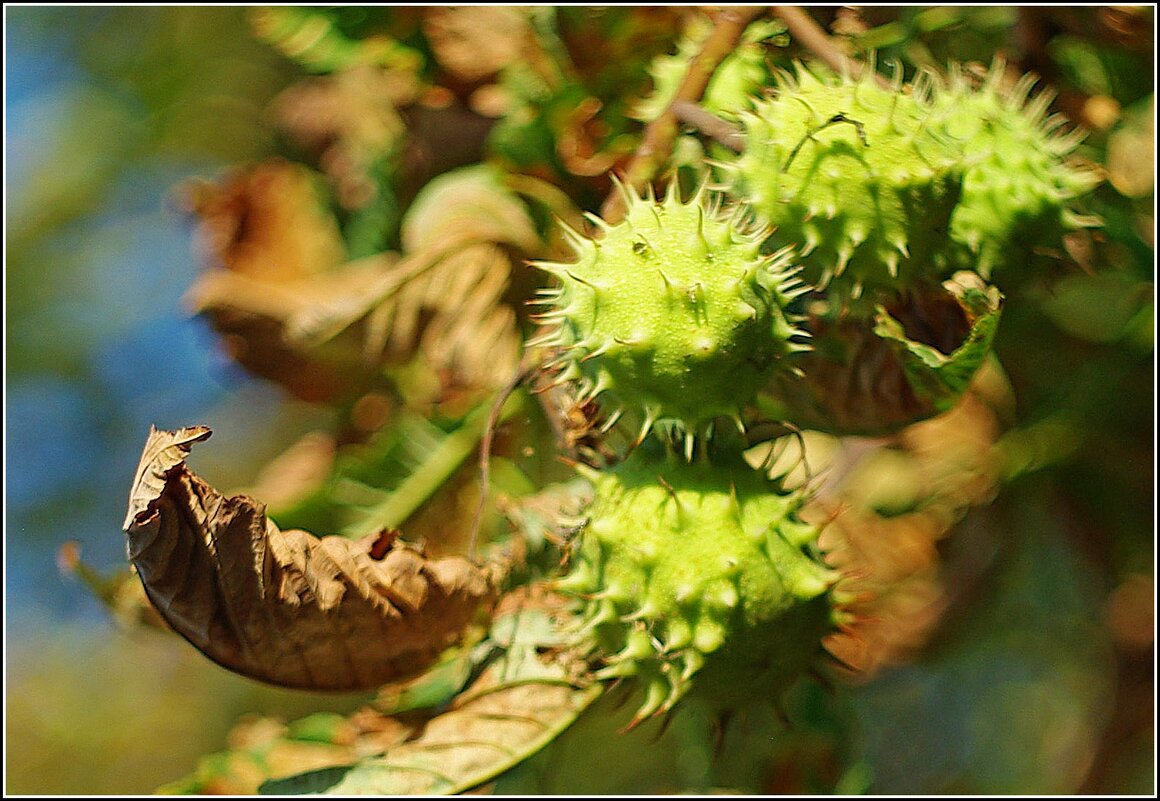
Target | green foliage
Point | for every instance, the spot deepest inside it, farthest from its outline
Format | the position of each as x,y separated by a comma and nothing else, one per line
382,483
937,377
734,84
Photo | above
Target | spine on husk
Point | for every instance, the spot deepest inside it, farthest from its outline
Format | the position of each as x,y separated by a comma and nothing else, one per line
885,186
673,315
700,577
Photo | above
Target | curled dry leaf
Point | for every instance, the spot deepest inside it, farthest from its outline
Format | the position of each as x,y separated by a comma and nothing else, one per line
886,504
257,320
274,259
475,42
325,329
449,303
349,120
454,316
911,361
287,607
467,206
266,222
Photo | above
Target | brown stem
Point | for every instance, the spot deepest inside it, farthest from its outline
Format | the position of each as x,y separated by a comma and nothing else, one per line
728,25
523,371
810,35
722,131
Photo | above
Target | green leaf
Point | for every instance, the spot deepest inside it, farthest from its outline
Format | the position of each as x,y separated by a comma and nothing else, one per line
460,749
940,378
381,484
437,466
551,515
315,39
1098,308
435,687
309,783
321,727
733,85
524,697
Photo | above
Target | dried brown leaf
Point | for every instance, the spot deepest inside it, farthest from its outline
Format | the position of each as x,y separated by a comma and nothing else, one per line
267,222
448,303
474,42
348,120
287,607
274,266
449,300
454,317
260,323
468,206
941,468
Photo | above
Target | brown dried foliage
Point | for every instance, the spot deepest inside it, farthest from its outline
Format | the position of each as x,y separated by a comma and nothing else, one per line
293,312
475,42
347,121
287,607
899,585
274,262
855,381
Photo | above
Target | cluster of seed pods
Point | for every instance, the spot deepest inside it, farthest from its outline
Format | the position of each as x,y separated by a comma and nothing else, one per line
695,572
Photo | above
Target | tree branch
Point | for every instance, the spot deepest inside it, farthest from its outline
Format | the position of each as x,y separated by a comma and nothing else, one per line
659,134
810,35
721,131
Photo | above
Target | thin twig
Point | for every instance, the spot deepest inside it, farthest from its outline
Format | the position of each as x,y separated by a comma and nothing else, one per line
810,35
712,126
523,371
655,146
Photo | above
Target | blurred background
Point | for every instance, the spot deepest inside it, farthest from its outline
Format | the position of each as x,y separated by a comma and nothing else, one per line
1039,679
106,110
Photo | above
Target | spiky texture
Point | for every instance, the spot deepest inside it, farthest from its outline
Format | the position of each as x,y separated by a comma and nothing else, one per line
700,575
854,174
1019,188
673,314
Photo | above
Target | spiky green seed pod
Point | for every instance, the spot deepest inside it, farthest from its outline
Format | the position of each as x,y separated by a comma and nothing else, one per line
1018,190
673,314
854,174
700,576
